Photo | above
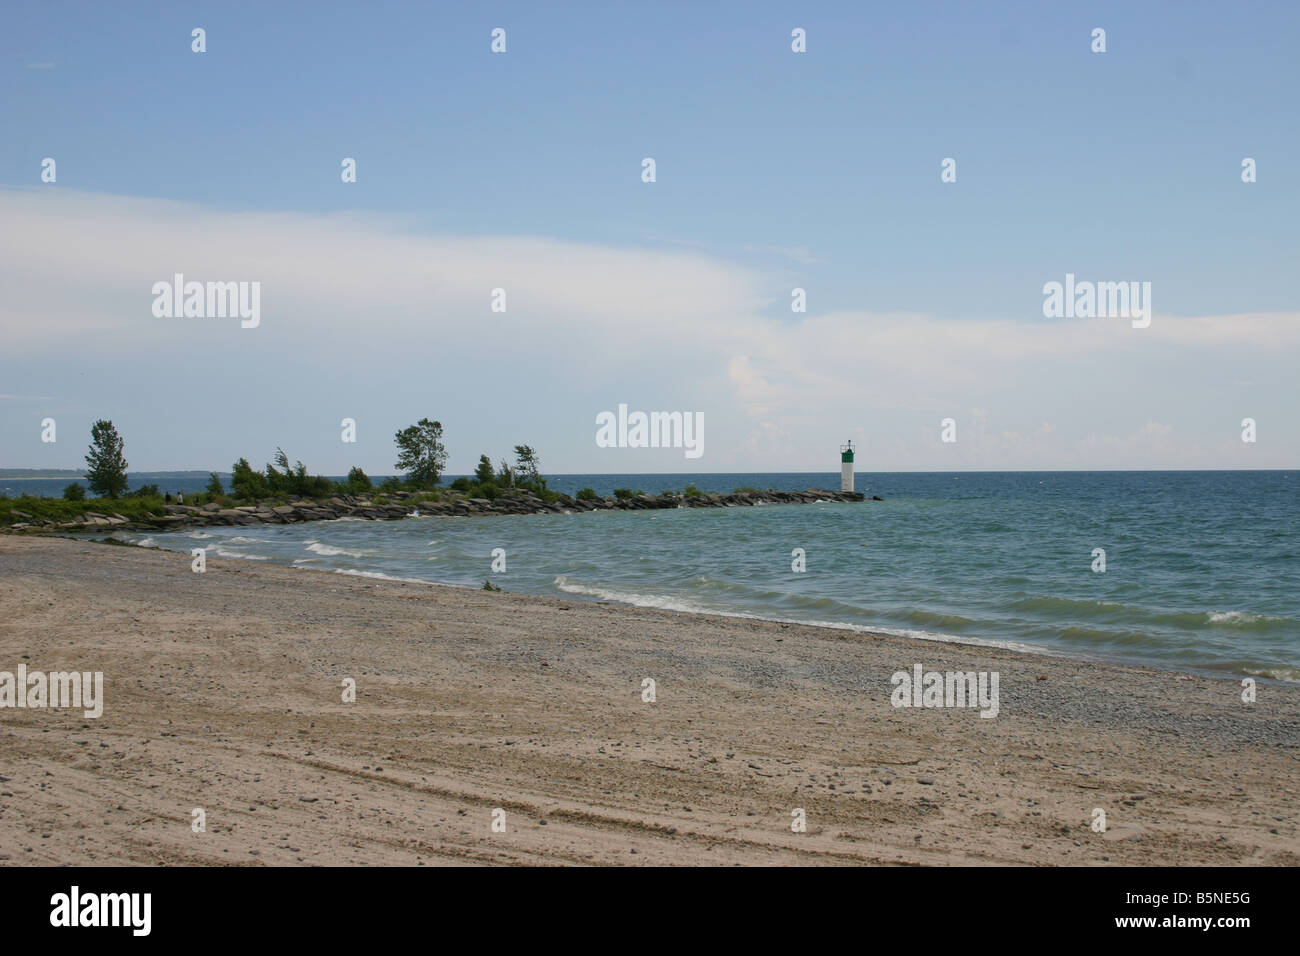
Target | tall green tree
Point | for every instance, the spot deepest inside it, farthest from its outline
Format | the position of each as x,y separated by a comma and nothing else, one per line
420,452
105,465
483,473
527,465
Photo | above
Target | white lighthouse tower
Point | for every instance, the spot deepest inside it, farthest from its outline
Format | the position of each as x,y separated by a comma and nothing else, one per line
846,466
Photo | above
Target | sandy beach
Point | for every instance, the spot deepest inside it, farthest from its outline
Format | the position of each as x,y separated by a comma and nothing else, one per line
222,691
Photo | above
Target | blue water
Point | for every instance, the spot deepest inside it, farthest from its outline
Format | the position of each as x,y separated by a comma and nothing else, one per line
1202,568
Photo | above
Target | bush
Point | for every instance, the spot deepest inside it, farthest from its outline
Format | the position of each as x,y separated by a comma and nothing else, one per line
391,484
586,494
623,493
461,484
359,482
74,492
690,491
214,489
146,491
247,483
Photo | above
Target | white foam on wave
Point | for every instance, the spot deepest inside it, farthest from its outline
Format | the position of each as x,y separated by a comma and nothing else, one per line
1289,675
227,553
379,575
1238,617
628,597
329,551
665,603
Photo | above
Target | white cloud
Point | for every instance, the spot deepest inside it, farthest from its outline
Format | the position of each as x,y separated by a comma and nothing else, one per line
363,299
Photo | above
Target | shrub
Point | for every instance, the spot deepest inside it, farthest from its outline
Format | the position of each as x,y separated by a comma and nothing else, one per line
145,491
690,491
214,489
586,494
74,492
622,493
247,483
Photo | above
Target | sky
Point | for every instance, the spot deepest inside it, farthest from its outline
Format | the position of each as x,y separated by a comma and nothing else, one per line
775,170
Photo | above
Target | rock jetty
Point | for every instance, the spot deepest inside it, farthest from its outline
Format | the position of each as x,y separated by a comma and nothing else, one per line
406,504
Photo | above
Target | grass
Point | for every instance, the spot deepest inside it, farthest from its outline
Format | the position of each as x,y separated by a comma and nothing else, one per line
58,511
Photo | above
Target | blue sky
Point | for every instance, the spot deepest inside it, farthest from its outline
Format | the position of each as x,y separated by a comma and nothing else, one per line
774,170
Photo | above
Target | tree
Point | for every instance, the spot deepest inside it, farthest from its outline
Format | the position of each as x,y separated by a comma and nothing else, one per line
214,485
526,465
358,482
105,466
74,492
483,473
278,481
505,474
247,483
421,453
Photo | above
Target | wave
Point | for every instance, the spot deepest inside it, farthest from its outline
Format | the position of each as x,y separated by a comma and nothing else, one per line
221,552
379,575
1061,610
329,551
627,597
1290,675
1241,617
666,603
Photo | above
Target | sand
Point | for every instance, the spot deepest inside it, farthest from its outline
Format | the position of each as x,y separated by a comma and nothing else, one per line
222,693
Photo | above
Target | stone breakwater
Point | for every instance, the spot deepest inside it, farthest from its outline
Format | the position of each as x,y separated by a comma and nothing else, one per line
402,504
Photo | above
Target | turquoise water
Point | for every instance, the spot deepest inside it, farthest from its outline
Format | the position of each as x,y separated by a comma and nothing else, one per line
1202,568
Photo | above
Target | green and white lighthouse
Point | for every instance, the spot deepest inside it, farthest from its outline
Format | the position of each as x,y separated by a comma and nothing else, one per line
846,466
